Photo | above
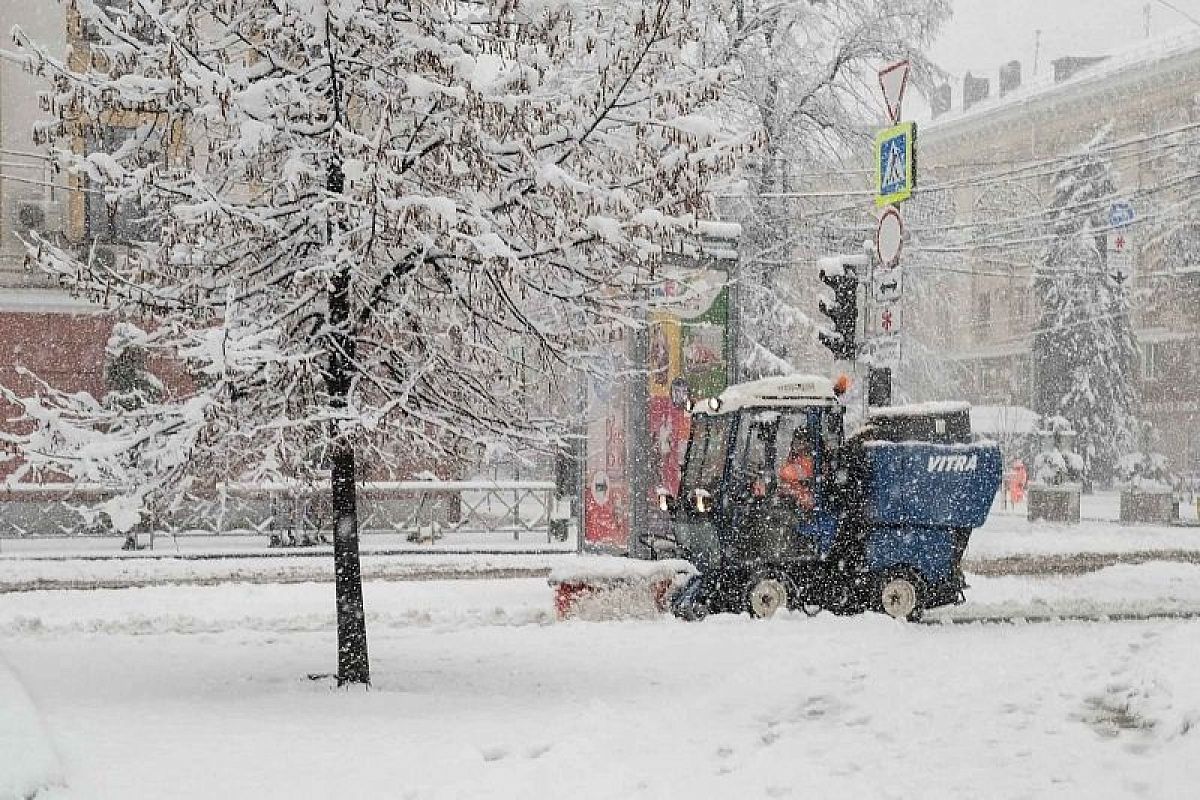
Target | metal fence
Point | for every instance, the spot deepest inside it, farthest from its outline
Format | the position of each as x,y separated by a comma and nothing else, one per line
423,511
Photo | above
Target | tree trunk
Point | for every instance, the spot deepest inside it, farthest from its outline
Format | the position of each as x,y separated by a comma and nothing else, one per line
353,665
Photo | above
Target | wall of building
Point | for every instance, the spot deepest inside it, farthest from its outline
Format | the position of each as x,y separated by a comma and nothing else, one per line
996,312
25,173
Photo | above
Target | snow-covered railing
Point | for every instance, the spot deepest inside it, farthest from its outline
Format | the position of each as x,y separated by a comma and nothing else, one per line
424,510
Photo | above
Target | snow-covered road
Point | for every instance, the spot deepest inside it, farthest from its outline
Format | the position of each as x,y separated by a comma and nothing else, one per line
1007,544
200,692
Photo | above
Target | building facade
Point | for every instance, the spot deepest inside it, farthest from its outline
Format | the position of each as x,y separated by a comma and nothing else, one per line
988,172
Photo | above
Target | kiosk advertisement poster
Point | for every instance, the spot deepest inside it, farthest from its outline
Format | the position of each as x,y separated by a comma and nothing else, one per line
606,485
686,360
685,351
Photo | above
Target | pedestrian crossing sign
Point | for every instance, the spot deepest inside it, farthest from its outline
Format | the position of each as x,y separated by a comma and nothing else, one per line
895,159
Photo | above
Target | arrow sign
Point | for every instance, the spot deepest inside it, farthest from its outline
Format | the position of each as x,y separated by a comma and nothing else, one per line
887,286
893,80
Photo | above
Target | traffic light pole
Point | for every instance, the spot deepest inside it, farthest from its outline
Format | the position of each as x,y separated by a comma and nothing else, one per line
879,379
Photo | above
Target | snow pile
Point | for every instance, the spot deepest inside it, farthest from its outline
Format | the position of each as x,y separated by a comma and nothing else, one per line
28,763
602,568
616,588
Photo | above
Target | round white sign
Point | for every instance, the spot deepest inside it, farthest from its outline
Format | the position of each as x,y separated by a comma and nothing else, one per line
888,237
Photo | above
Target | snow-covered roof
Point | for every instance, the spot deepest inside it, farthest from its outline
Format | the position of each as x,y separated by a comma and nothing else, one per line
783,390
1003,420
1140,60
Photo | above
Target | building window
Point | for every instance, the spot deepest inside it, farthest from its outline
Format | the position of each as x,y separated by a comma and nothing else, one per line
1150,358
983,307
90,31
1182,251
127,221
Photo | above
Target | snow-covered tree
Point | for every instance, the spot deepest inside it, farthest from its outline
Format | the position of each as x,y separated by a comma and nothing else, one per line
1084,350
808,83
127,377
365,209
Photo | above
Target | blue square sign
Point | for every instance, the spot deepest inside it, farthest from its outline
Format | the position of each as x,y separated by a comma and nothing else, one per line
894,157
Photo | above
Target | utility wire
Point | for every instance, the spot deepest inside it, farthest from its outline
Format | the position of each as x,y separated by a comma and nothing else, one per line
1179,11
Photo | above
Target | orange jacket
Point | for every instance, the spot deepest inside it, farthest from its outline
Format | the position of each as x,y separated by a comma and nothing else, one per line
795,478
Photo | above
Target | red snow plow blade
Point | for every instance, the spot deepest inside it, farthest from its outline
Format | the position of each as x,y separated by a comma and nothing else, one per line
599,588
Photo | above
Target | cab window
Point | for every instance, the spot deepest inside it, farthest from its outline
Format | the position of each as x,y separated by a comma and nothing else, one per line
765,442
706,453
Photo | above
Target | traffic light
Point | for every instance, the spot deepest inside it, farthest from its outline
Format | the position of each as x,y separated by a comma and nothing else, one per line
842,310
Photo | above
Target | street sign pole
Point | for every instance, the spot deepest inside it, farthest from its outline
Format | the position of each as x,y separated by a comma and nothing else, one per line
896,177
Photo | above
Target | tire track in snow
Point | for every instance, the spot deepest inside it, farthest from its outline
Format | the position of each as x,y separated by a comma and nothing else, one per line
1045,617
1072,563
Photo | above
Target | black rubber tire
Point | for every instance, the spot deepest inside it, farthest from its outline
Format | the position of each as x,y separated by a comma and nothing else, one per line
690,604
767,592
900,594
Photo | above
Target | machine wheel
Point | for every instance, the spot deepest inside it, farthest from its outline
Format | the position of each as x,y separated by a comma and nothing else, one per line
767,593
689,604
900,595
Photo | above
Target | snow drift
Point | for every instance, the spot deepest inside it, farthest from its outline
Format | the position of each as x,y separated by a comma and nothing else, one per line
28,762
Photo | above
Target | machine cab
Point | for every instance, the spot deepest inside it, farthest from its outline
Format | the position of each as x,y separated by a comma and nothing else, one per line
757,474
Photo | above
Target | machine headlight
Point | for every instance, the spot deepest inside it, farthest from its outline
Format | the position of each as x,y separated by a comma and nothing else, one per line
714,404
703,501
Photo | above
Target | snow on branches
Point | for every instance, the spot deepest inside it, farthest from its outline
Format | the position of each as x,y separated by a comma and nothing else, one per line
366,215
1084,350
809,87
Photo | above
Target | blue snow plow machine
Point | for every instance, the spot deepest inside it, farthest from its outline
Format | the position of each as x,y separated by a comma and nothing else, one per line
778,509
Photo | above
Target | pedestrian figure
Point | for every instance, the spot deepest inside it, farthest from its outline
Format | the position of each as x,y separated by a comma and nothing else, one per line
1020,478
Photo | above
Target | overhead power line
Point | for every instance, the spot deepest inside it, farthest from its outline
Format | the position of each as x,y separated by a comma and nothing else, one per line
1179,11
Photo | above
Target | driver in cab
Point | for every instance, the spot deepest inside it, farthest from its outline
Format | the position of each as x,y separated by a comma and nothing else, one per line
796,474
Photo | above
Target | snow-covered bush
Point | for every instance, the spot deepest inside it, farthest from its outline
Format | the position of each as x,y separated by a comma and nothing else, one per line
1146,472
1056,464
1147,469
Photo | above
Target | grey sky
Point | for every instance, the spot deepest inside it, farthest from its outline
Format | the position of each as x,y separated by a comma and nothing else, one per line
983,34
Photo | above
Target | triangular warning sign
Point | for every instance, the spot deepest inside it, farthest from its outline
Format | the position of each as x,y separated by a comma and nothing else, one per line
895,175
893,81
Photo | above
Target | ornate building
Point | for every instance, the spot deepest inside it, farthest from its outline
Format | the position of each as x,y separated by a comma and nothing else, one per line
979,226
